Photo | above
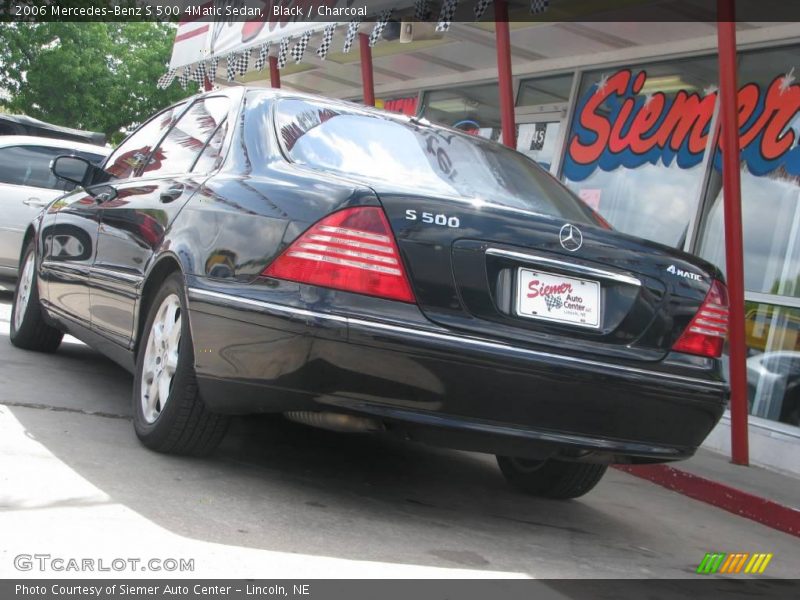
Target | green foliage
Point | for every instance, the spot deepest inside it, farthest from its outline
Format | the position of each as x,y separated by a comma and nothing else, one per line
94,76
786,287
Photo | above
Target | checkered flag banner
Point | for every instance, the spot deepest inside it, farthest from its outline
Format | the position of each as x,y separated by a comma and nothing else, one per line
480,8
241,62
300,47
325,44
212,69
539,6
263,56
230,67
200,73
380,25
185,77
283,51
352,30
446,15
422,10
166,79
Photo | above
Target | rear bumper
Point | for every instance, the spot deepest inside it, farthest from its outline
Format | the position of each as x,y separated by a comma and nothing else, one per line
254,354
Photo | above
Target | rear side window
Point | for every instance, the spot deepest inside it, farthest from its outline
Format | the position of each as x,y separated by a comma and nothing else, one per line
186,140
211,157
30,165
135,150
411,154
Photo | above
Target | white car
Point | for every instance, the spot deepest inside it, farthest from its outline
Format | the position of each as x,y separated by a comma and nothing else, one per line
27,185
773,379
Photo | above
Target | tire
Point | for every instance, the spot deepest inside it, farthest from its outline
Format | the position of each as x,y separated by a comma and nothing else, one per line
180,423
29,330
555,479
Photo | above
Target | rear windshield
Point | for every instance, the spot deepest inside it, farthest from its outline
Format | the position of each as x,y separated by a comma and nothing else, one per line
418,156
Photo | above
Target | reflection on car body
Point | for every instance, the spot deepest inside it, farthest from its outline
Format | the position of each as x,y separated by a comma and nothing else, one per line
67,243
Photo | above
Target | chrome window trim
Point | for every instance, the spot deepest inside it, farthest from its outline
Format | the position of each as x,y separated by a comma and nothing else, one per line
116,274
543,260
200,294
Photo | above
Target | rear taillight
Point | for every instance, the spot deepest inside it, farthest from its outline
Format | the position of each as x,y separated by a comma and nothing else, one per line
706,333
351,250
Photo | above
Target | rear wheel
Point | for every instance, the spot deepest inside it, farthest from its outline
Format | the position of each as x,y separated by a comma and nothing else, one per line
169,414
28,327
551,478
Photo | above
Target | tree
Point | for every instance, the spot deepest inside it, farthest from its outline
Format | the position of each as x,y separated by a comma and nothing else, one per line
95,76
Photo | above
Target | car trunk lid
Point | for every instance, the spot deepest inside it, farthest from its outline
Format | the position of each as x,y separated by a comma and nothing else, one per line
537,280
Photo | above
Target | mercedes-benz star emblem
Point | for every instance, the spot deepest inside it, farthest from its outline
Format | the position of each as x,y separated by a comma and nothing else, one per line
570,237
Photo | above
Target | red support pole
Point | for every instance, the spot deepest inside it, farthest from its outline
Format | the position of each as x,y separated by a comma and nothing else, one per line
734,247
505,85
274,73
367,80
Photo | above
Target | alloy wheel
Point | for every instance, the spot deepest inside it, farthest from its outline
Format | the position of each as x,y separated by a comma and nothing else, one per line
161,358
24,288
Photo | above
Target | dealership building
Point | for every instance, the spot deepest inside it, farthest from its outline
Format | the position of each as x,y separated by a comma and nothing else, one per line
624,113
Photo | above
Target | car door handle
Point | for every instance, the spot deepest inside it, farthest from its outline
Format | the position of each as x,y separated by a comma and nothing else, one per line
36,202
172,193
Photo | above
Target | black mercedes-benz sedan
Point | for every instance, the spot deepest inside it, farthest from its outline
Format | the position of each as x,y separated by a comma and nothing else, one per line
257,251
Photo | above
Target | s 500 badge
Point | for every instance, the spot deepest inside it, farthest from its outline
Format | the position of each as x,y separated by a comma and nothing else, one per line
433,218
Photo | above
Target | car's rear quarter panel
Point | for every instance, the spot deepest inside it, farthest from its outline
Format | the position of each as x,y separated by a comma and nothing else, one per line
235,225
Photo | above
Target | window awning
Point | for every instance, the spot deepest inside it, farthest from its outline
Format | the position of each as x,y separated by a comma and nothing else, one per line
199,39
206,48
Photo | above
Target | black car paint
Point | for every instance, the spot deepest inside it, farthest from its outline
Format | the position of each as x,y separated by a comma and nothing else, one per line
449,370
459,287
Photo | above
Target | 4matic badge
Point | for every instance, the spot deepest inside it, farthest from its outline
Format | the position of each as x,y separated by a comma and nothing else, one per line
672,269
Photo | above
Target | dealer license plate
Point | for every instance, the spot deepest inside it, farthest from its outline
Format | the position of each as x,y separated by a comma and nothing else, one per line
553,297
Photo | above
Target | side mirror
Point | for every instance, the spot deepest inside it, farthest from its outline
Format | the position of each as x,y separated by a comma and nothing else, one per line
71,168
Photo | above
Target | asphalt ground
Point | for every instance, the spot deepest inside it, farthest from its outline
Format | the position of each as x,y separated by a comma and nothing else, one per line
283,500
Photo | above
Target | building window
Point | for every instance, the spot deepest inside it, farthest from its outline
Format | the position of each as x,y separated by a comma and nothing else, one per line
770,174
769,105
541,108
771,229
773,363
544,90
474,109
636,145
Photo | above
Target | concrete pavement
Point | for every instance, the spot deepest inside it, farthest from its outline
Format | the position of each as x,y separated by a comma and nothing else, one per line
282,500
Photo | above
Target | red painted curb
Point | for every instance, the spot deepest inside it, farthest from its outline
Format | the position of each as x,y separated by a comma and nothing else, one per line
761,510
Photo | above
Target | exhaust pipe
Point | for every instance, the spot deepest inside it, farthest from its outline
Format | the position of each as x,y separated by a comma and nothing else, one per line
335,421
